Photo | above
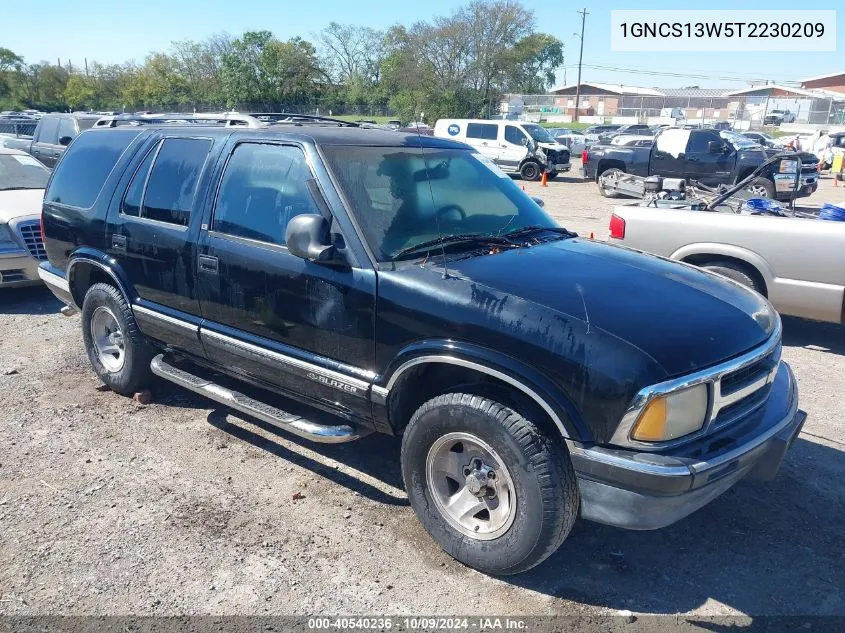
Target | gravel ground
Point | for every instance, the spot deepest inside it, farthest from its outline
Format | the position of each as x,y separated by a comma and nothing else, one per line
108,506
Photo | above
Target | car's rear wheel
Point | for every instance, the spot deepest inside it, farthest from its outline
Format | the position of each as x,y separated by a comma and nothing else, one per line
606,181
119,353
487,483
530,170
733,271
551,175
761,188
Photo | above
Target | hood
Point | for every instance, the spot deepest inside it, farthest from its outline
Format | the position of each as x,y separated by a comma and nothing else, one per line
683,318
558,147
16,204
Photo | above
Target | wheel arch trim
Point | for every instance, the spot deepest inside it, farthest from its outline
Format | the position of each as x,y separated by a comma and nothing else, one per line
726,250
99,261
451,359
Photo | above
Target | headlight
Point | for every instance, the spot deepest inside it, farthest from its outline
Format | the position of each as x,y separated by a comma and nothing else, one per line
672,415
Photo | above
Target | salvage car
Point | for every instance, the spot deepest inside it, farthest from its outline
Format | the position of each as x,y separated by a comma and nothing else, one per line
333,280
52,135
22,182
708,156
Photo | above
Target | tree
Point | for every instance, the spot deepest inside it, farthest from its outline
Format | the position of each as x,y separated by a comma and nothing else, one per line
80,91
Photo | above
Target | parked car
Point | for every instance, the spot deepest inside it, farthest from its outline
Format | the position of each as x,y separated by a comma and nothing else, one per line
797,263
709,156
52,135
403,284
517,147
640,129
22,182
776,117
575,141
721,125
760,138
592,133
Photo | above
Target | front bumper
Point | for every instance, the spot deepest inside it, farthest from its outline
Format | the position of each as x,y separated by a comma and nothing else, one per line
18,268
646,491
559,167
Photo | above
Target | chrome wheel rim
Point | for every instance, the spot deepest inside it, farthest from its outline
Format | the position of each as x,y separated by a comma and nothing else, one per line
759,191
108,339
471,486
610,177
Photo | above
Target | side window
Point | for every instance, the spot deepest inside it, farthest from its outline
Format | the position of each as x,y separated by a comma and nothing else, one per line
49,132
672,142
514,135
485,131
172,185
83,170
698,142
263,187
67,128
135,193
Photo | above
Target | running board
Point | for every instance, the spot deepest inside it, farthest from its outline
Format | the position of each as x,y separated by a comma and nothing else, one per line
324,433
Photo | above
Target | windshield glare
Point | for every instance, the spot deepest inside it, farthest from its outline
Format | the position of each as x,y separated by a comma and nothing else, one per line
21,171
738,140
538,133
402,197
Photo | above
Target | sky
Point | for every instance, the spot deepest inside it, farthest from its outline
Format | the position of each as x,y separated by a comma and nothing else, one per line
116,32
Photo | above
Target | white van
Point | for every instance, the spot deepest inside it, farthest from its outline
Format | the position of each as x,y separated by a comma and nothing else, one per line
517,147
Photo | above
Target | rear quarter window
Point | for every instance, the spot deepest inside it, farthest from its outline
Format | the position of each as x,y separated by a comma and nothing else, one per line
87,163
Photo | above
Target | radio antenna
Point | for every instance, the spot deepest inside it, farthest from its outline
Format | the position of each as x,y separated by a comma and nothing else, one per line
433,202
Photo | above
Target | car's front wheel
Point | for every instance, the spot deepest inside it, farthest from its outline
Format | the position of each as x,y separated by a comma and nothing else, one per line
491,488
119,353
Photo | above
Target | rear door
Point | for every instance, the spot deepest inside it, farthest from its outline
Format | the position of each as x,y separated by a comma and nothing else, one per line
485,138
45,146
299,325
668,155
152,233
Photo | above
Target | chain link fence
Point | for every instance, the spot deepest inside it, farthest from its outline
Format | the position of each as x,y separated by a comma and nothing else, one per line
740,112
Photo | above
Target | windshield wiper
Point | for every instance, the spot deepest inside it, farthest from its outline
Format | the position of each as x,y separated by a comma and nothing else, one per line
536,228
475,239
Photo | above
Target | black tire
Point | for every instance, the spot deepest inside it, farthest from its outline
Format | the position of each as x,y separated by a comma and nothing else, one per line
733,271
551,175
606,192
134,374
530,171
762,188
545,487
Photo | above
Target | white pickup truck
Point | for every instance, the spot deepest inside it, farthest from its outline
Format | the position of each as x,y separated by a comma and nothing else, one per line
797,263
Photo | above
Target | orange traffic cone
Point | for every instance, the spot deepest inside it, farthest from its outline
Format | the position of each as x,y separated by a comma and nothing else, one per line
523,187
544,180
591,235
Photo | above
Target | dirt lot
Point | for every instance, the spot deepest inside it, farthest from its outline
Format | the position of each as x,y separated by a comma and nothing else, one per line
111,507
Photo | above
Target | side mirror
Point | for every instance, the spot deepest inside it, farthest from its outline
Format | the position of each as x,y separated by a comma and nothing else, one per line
715,147
307,236
65,140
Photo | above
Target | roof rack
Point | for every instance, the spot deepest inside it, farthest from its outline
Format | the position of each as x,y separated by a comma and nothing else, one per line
226,119
299,119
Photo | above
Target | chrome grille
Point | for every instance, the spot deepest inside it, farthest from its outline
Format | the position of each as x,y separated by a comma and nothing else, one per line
30,233
739,392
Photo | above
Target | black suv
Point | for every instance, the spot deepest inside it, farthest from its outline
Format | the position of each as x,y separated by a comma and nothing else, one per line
335,280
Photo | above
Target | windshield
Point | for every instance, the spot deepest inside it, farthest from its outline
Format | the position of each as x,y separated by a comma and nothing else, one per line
21,171
538,133
392,192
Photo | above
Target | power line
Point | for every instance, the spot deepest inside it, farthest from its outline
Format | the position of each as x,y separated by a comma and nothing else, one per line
656,73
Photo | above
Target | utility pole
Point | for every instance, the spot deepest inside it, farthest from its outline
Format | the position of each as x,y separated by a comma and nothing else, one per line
580,59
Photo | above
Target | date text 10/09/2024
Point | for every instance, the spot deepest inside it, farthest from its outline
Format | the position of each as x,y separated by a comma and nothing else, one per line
417,623
722,29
